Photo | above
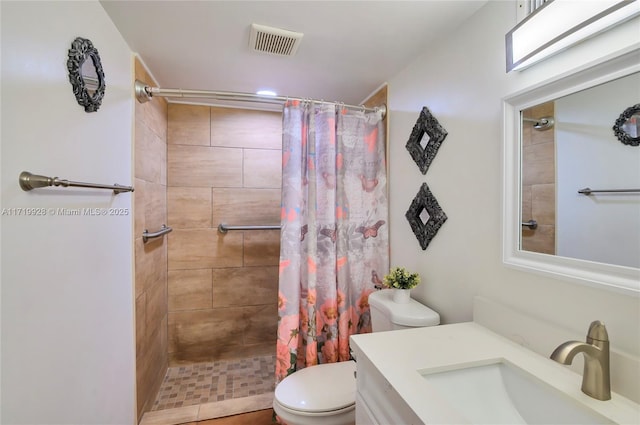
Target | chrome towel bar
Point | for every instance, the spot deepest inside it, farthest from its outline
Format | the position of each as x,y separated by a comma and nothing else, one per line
588,191
163,231
30,181
223,228
531,224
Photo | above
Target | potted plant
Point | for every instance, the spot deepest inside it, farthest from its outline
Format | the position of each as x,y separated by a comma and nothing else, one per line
401,281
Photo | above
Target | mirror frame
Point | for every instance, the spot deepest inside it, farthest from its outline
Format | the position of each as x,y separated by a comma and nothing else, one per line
425,231
623,136
81,51
607,276
429,125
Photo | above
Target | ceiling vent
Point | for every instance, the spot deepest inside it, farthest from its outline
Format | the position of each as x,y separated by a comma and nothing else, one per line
275,41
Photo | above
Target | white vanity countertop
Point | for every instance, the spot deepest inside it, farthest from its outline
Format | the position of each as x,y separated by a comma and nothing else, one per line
400,356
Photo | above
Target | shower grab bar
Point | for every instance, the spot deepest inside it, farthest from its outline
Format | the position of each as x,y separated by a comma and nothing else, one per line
30,181
588,191
223,228
163,231
531,224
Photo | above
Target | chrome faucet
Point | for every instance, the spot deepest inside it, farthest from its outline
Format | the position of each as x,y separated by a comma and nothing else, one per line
596,377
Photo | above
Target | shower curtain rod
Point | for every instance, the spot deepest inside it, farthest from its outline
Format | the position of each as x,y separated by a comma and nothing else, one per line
144,93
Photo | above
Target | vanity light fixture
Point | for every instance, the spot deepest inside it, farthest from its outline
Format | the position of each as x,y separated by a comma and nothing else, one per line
559,24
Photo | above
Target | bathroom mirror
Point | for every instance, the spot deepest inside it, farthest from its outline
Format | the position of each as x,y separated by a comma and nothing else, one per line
627,126
86,74
588,236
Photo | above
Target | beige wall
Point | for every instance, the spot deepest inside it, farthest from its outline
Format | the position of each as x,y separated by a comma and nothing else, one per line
150,205
224,166
539,182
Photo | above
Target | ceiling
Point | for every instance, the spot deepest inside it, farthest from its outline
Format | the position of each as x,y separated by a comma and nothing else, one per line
348,50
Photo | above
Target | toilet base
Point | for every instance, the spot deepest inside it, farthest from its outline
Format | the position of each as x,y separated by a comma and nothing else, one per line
346,416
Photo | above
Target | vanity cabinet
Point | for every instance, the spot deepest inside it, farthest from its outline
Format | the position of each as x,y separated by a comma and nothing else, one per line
377,402
432,375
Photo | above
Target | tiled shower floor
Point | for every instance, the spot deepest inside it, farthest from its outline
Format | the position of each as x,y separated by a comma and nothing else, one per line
217,381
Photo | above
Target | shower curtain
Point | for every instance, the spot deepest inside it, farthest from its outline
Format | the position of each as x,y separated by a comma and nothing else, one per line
334,237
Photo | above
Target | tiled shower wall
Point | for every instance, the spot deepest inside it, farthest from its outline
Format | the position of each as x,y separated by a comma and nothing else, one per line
150,206
539,182
223,165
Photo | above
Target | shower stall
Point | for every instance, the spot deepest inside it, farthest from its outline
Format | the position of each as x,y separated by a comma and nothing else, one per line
223,166
207,293
206,301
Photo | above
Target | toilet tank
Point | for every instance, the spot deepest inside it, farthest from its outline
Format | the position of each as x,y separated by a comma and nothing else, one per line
387,315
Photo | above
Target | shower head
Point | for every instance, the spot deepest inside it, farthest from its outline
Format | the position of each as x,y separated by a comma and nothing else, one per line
541,124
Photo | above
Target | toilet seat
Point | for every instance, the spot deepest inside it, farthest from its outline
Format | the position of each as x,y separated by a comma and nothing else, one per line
324,414
346,416
322,389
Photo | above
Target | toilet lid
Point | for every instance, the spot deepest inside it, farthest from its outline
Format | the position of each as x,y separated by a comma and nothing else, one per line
319,388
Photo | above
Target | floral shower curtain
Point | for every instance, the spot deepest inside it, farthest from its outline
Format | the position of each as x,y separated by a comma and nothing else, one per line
334,240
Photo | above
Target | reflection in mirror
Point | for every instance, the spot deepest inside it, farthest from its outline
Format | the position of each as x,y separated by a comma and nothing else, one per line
538,179
424,141
631,126
424,216
89,75
577,151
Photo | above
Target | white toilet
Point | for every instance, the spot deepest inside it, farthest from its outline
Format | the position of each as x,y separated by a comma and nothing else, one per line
325,394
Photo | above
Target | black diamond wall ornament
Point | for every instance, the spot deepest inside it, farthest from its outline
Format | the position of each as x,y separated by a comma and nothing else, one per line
425,140
425,216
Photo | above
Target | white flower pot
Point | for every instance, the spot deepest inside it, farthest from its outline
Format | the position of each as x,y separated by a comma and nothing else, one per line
401,296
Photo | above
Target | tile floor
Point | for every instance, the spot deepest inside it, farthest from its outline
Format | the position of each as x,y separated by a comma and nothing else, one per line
235,407
202,383
260,417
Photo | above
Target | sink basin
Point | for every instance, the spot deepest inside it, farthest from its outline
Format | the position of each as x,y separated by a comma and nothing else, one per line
502,393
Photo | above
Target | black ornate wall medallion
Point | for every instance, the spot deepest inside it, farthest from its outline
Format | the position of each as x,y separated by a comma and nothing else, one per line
86,74
425,140
627,126
423,205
